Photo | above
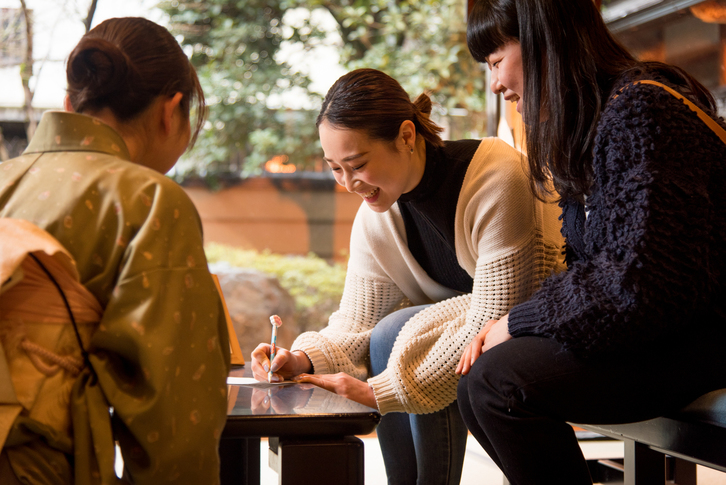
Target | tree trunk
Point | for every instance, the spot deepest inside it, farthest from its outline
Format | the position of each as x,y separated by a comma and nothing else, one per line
26,70
3,149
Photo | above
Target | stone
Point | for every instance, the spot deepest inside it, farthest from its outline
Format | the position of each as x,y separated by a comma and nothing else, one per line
251,297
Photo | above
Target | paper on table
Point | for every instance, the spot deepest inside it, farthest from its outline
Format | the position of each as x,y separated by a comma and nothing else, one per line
251,381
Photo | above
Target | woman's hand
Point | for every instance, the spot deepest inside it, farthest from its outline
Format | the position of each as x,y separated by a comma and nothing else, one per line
474,349
343,385
493,333
285,366
497,334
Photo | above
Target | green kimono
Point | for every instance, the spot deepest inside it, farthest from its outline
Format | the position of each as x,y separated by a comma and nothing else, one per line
161,349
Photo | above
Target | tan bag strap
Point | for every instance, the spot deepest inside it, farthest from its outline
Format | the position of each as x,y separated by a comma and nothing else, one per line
715,127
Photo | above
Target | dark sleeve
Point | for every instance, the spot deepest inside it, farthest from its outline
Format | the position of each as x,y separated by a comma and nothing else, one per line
650,249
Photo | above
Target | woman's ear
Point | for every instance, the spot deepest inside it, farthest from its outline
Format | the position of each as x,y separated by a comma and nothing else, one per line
169,105
67,104
407,134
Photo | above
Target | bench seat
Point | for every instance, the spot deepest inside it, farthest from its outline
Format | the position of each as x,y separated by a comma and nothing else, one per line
695,435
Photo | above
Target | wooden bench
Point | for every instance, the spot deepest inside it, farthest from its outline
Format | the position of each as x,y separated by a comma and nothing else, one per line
695,435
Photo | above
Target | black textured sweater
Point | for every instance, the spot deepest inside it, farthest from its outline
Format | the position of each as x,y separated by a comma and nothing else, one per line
646,266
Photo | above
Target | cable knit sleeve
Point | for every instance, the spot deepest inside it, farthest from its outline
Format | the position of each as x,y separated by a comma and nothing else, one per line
420,377
653,245
505,228
370,293
343,346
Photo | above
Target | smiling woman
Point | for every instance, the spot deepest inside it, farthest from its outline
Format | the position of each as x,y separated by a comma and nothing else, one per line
634,328
448,237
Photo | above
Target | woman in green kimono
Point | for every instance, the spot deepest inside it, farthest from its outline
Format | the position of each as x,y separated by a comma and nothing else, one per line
89,202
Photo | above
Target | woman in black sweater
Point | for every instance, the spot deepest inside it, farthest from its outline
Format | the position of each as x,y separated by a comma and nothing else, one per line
634,328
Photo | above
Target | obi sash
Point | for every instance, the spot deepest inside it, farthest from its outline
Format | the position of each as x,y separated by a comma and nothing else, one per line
46,385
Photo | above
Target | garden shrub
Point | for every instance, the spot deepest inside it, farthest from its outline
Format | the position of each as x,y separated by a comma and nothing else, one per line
314,283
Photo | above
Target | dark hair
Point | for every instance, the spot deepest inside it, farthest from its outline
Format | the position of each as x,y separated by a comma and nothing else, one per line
571,63
374,102
124,63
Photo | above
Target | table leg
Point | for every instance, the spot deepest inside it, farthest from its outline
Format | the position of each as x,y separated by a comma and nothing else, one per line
680,471
240,461
643,466
314,462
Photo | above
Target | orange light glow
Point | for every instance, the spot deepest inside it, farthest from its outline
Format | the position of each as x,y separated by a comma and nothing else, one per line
277,164
712,11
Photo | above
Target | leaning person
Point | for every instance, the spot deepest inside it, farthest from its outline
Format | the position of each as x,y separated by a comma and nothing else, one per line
635,328
448,237
124,245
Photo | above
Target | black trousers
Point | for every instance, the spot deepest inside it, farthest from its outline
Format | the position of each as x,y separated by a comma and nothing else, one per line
519,396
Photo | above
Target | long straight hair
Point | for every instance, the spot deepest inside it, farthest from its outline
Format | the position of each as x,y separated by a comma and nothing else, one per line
570,62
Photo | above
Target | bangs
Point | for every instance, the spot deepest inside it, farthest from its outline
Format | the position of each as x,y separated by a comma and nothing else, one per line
491,24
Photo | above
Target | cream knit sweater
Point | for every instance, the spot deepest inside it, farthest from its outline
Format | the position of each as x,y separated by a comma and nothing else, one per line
505,238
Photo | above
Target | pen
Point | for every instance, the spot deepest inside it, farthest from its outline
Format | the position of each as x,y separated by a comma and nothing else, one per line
276,322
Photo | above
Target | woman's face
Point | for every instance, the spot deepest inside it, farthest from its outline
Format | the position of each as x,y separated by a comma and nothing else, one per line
373,169
180,139
167,149
507,72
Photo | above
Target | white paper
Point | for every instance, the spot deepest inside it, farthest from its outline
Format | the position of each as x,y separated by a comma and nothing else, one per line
251,381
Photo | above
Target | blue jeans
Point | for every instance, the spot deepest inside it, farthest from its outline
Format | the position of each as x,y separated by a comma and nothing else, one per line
421,449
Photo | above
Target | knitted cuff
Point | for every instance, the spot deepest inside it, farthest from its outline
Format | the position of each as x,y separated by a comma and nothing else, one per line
385,394
524,319
317,359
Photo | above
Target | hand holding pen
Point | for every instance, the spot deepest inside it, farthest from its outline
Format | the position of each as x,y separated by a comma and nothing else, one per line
289,363
276,322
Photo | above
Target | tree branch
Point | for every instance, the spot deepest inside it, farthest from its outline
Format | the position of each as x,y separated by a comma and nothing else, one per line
26,70
91,13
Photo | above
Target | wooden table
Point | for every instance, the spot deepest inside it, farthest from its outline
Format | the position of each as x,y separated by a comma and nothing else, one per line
311,433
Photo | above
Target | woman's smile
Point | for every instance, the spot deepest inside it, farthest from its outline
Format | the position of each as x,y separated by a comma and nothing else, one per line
370,196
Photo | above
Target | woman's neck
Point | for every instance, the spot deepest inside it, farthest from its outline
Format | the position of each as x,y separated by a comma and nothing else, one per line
133,143
418,162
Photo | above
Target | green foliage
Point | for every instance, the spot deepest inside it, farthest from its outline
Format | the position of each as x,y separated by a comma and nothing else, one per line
316,285
235,45
421,43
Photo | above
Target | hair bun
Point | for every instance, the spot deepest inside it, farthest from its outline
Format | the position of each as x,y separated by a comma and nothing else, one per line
423,103
96,70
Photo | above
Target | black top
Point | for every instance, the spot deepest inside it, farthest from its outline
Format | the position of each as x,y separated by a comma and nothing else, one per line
429,210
